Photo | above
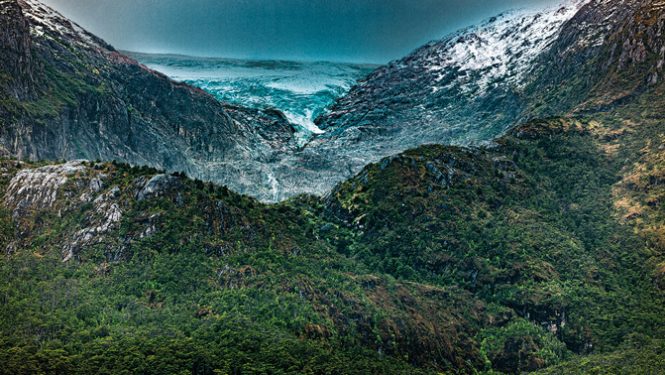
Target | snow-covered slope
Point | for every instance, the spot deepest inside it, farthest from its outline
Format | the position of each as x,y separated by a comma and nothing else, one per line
447,83
501,50
464,89
609,53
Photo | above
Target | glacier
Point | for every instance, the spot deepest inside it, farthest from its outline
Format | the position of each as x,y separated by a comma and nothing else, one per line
302,91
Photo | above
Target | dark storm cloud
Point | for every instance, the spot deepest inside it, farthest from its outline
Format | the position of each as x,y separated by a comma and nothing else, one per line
342,30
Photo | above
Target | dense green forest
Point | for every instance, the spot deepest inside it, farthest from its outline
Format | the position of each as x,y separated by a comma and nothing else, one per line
545,249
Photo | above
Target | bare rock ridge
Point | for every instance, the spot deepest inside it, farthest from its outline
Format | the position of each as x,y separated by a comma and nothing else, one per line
65,188
472,86
607,54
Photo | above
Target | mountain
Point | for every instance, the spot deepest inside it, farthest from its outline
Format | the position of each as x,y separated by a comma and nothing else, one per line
462,89
545,250
541,251
609,53
66,94
473,86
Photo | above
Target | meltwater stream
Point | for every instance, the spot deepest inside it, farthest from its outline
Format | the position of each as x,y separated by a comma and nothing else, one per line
301,90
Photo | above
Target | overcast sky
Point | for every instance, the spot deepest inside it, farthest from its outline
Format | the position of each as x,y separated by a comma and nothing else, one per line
336,30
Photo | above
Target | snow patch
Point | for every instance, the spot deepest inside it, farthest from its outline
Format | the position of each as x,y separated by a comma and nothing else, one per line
501,49
45,20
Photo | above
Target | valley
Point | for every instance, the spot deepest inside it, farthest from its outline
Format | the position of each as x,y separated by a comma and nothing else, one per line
461,212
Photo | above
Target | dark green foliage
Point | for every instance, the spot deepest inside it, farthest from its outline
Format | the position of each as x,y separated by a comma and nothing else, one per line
520,346
510,259
646,359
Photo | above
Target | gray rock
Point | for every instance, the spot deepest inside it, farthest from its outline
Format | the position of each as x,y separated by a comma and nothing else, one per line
35,190
455,91
156,186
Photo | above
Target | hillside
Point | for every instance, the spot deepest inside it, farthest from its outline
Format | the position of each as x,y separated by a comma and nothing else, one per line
512,258
65,95
472,86
609,53
540,250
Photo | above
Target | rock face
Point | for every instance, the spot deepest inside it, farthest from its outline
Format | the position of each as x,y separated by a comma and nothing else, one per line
461,89
35,190
607,54
60,189
472,86
101,197
66,94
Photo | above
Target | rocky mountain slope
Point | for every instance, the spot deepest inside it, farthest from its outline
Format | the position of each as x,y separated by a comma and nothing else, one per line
65,94
462,89
542,251
609,53
68,95
472,86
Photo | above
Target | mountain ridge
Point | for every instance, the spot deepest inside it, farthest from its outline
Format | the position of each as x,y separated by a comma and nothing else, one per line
448,91
83,89
260,157
542,251
515,259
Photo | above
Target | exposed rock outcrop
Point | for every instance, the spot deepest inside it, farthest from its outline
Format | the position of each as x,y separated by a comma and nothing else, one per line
608,54
33,191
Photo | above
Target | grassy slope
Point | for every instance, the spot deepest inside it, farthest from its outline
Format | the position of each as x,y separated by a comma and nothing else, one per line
441,259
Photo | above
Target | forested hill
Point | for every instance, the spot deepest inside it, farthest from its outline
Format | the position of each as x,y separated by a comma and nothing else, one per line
544,250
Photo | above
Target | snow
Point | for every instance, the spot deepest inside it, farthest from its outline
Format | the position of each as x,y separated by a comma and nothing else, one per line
501,49
45,20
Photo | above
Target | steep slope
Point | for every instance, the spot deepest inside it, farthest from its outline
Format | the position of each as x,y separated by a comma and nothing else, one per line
511,258
183,275
561,222
472,86
542,251
67,95
445,88
463,89
609,53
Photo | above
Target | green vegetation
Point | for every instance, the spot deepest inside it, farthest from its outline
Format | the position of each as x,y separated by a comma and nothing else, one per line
507,259
543,253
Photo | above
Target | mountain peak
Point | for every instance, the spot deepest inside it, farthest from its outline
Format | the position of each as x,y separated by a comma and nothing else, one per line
47,22
465,89
69,95
500,49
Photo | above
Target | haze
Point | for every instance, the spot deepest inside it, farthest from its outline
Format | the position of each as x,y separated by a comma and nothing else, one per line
372,31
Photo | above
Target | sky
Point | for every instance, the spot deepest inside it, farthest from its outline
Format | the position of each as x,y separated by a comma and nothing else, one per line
364,31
